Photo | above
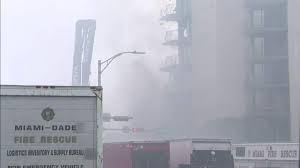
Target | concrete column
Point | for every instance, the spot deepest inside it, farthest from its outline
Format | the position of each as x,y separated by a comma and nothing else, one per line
294,66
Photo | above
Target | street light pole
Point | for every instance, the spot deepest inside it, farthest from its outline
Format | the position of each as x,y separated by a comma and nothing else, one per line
99,72
108,62
99,145
100,114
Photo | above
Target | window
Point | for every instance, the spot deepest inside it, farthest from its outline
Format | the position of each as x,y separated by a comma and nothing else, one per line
259,47
258,18
240,151
259,70
263,101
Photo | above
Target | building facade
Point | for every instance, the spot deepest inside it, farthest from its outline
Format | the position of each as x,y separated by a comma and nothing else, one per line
178,13
268,105
218,57
237,64
294,66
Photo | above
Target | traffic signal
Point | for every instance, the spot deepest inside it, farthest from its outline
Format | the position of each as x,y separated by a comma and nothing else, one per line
106,117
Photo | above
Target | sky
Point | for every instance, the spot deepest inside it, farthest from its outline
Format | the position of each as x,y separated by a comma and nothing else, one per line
37,44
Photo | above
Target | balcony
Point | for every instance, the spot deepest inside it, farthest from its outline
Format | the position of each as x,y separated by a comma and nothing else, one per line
269,115
262,3
171,38
170,63
268,59
169,13
261,30
260,85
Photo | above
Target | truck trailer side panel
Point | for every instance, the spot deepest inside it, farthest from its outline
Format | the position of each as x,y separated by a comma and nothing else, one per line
150,155
252,155
116,156
43,126
180,152
136,155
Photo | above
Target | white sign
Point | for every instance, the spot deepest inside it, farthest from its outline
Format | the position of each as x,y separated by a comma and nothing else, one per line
48,132
280,151
212,146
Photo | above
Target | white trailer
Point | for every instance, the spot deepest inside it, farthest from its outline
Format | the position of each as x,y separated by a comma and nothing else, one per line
49,126
266,155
